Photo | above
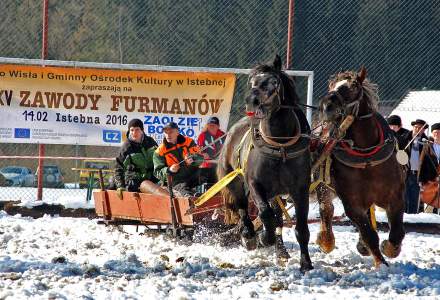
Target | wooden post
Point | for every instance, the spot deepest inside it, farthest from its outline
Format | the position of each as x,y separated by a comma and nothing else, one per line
41,147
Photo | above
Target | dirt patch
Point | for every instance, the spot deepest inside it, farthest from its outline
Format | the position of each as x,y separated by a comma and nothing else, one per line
12,208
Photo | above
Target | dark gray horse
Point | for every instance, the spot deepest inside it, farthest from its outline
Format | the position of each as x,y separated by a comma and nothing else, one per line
271,145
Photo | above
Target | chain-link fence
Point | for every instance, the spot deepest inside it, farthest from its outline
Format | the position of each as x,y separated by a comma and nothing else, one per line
397,41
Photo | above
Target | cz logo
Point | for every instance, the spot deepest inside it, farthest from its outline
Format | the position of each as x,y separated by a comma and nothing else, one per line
111,136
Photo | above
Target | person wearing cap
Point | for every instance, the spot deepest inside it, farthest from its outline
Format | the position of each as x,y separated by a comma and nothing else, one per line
177,156
395,123
134,163
414,141
430,158
210,133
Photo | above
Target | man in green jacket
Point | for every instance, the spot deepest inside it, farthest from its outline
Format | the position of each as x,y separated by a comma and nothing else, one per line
179,157
134,163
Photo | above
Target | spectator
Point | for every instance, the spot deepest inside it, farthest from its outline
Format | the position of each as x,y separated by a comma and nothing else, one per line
177,156
395,123
134,163
414,139
206,139
430,159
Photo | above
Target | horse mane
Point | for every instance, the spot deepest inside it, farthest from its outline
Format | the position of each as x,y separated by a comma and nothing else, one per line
371,91
287,81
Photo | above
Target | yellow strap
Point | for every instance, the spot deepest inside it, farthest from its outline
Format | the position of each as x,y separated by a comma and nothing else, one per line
229,177
373,217
283,208
314,185
324,176
218,187
243,139
328,164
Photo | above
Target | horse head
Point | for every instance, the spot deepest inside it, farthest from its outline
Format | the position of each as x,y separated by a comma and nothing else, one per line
270,90
350,93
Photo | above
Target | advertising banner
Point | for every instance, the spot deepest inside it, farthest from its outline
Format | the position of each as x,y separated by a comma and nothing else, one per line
57,105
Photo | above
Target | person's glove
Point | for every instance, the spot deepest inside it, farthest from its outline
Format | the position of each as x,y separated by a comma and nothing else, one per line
119,192
130,173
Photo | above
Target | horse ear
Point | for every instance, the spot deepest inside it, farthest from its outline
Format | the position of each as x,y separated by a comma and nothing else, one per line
362,74
277,63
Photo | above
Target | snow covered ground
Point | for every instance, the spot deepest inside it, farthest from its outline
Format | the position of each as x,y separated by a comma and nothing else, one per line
66,258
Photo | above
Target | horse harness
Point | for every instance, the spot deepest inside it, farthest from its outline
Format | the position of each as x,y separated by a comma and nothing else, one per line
267,146
361,158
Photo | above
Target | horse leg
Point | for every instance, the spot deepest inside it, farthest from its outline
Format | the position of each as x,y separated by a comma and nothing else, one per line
360,246
367,234
302,233
391,247
266,236
280,249
325,238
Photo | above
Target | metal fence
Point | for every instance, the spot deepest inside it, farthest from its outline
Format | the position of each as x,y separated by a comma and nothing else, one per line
398,42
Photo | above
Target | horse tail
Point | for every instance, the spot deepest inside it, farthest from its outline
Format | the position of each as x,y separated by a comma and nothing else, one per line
234,191
229,201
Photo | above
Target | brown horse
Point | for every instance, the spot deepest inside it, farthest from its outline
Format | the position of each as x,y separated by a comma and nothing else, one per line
364,169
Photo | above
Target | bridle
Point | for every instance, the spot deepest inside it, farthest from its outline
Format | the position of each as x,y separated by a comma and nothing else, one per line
278,94
351,108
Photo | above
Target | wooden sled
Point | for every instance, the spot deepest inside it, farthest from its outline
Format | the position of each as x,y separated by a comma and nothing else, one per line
151,209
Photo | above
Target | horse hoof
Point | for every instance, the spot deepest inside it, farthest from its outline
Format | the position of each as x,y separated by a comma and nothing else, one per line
379,262
249,244
389,250
248,233
305,267
280,249
265,239
326,242
362,249
282,253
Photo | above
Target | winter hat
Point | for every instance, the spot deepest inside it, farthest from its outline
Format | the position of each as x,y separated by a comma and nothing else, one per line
136,123
394,120
435,126
171,125
419,122
214,120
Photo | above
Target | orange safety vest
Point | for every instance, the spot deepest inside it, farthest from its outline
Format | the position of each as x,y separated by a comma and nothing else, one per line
173,155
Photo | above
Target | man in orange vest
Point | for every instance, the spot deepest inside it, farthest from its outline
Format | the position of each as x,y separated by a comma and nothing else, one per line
177,156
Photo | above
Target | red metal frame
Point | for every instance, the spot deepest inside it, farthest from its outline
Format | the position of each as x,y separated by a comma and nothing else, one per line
290,29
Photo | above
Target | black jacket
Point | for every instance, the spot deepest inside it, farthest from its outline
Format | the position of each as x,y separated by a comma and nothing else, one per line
429,164
401,136
129,148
